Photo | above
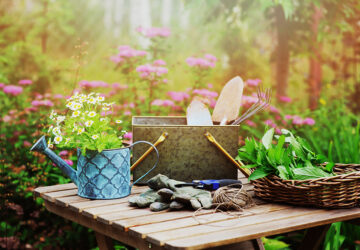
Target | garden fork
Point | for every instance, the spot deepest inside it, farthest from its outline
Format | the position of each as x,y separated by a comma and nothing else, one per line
263,102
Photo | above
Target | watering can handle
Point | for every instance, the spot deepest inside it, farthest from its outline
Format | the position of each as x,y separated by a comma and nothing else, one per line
157,161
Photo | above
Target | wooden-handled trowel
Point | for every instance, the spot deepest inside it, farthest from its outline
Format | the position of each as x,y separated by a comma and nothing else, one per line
198,114
228,104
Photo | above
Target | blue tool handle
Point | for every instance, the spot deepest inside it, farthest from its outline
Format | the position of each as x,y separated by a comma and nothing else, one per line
215,184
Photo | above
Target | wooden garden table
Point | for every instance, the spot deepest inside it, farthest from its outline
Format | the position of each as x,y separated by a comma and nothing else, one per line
144,229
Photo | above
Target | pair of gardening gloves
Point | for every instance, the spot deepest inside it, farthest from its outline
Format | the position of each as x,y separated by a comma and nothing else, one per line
163,195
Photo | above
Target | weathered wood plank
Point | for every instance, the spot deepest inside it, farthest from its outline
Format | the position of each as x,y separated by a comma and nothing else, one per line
102,211
164,222
100,227
53,195
264,228
109,218
80,206
39,190
65,201
160,238
172,216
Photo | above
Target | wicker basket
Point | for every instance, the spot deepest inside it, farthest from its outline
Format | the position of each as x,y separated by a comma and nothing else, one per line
342,190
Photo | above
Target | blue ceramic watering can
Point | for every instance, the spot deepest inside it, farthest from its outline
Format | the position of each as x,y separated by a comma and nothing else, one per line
104,175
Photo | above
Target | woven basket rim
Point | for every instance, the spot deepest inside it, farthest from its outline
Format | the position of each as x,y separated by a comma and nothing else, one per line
322,180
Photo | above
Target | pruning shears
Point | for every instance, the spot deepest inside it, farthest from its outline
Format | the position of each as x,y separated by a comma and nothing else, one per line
210,184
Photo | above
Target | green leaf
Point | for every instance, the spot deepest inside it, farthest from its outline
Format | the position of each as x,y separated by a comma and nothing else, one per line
267,138
329,167
309,173
258,173
297,148
283,173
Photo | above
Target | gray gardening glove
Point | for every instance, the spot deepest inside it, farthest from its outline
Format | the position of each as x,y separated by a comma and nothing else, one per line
197,198
145,199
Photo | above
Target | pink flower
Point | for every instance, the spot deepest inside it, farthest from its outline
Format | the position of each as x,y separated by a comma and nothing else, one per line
37,103
154,31
58,96
2,85
70,162
288,117
212,103
297,120
249,99
93,84
31,109
205,93
116,59
210,57
274,109
159,62
250,123
270,123
210,86
165,80
119,86
25,82
128,135
253,82
13,90
285,99
178,96
163,103
63,153
27,144
309,121
6,118
127,112
200,62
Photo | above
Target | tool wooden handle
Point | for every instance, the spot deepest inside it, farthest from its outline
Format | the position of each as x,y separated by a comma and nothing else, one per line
159,140
240,165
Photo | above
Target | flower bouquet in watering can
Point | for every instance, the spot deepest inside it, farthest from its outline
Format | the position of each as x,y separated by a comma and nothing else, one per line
103,169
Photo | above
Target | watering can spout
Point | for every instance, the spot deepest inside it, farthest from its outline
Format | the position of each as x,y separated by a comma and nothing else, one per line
41,147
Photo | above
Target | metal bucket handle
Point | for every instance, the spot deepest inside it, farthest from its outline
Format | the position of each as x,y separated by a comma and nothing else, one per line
157,161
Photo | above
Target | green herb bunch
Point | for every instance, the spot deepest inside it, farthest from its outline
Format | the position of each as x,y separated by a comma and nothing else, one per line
291,158
86,125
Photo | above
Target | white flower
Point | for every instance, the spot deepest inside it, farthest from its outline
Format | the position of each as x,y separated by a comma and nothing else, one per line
89,123
76,113
92,114
100,98
67,140
103,119
56,131
52,114
69,104
105,108
118,121
83,98
76,106
95,137
80,131
60,119
92,100
74,128
51,127
58,139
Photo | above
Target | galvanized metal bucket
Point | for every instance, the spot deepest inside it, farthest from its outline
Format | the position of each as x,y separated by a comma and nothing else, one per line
186,154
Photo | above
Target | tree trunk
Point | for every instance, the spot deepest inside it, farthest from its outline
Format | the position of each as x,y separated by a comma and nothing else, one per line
315,70
282,53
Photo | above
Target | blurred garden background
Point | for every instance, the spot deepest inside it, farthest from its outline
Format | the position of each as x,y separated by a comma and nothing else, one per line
152,58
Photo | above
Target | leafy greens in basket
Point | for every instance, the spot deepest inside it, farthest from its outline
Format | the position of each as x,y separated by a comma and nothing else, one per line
291,158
